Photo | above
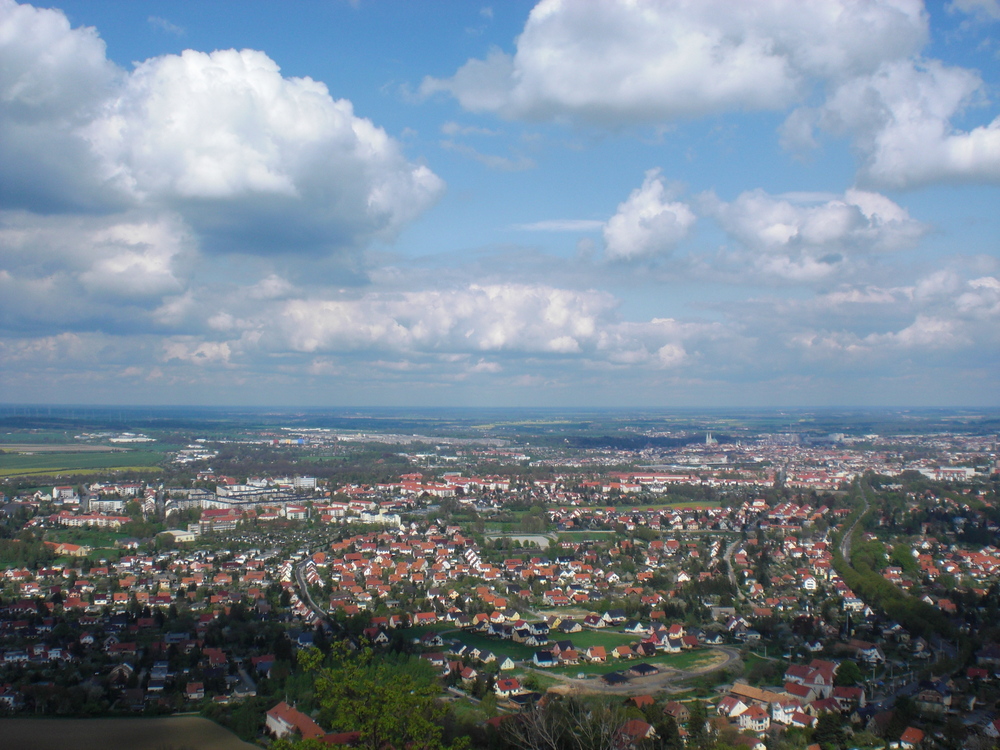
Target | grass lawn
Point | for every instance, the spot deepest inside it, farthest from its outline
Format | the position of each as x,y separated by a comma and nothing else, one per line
587,638
684,660
542,681
500,648
96,538
468,711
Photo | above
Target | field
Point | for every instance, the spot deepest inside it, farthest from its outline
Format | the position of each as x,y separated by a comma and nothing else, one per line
683,661
49,462
174,733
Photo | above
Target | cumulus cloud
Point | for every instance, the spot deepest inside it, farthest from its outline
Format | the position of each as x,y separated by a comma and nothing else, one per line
625,62
197,352
900,118
486,324
798,238
941,312
74,270
648,222
474,319
617,63
53,81
252,160
228,141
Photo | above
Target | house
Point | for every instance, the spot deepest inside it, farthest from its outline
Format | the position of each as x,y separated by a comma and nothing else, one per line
634,731
544,659
641,701
508,686
730,707
195,691
643,670
911,738
597,654
622,652
284,720
678,711
614,617
754,719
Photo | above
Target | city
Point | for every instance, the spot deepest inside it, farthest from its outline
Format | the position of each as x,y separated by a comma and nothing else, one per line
782,587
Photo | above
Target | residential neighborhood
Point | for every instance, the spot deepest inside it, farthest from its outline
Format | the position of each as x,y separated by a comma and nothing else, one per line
773,610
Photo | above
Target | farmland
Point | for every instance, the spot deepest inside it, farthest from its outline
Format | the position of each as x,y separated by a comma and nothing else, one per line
52,463
136,734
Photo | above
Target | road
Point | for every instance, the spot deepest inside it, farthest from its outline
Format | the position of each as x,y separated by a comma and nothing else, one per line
728,557
845,542
304,592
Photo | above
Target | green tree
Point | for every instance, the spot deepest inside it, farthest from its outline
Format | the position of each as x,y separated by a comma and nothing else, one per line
388,705
829,732
697,725
848,674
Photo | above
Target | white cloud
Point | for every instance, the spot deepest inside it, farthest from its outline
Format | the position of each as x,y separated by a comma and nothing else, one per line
164,25
941,312
806,241
196,352
506,317
252,160
623,62
453,128
618,62
64,262
562,225
493,161
53,80
901,116
267,153
988,10
648,222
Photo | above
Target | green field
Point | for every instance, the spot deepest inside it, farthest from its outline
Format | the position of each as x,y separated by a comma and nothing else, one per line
517,651
685,660
587,638
96,538
52,463
135,734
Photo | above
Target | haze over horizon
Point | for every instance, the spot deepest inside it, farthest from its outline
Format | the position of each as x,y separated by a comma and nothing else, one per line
617,204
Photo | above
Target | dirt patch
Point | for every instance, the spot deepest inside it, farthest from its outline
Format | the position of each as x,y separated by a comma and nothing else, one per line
172,733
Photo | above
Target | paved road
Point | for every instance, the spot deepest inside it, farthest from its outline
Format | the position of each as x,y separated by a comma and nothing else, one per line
845,542
304,592
728,557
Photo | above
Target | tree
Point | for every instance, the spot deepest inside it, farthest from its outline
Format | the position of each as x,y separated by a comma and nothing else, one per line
567,724
829,732
669,734
848,674
388,705
697,725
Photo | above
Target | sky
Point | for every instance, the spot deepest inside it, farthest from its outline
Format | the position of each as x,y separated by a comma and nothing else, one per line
574,203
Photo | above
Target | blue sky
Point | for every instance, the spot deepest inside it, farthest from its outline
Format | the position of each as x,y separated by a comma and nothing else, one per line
555,204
